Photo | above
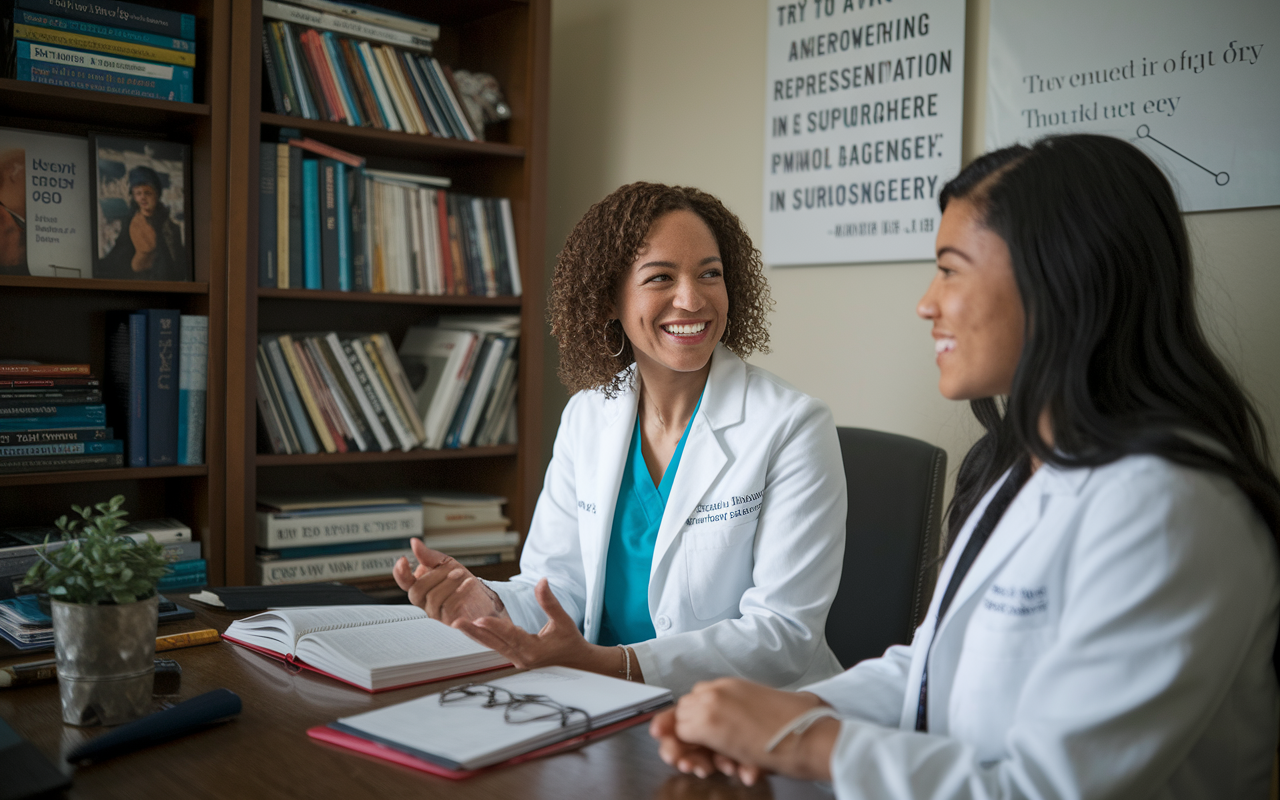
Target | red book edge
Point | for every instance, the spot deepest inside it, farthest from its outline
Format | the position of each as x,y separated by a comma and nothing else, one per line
320,66
446,250
365,747
289,660
320,148
44,369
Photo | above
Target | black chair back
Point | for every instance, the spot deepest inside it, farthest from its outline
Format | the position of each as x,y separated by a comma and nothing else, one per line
891,543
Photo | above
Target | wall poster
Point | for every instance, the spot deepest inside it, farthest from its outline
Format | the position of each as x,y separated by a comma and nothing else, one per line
1191,83
862,128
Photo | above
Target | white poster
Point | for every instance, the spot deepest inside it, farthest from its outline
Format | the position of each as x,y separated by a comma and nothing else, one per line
863,115
1196,85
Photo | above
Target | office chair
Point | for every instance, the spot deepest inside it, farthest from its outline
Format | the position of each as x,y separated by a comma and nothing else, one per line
891,541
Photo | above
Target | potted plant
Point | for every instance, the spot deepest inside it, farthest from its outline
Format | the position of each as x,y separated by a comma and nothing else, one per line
102,590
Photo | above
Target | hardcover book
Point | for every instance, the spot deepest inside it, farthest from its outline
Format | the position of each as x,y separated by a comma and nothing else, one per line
44,221
118,13
162,387
193,363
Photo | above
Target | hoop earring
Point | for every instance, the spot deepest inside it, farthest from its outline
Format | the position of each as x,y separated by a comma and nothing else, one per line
605,337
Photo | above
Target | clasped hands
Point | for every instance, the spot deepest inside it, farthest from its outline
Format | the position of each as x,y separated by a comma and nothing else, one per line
724,725
448,591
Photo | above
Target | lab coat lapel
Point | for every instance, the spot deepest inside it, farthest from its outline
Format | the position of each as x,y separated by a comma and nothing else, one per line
1017,523
705,455
608,455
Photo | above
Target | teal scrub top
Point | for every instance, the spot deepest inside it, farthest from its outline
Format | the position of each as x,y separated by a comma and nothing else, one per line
635,532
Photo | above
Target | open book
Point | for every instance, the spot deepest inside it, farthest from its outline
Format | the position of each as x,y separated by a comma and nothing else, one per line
373,647
457,737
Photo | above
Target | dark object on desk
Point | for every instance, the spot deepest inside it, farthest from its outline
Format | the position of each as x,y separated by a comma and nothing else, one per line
168,675
891,541
27,773
184,718
260,598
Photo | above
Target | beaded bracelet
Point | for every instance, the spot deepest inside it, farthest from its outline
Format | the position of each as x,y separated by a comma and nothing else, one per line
626,655
799,725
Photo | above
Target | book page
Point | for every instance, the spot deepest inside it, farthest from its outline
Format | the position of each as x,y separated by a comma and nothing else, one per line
281,629
419,641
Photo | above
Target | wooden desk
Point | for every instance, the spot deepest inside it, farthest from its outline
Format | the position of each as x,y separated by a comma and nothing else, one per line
266,752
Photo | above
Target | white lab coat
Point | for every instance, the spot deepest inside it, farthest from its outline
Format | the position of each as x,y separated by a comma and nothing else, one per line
1112,640
749,550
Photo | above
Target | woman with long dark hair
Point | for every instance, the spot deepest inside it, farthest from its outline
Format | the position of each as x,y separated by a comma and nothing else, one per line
1105,620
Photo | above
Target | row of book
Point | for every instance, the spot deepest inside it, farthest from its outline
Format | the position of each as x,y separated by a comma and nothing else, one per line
302,540
188,569
106,46
382,78
55,417
354,393
331,223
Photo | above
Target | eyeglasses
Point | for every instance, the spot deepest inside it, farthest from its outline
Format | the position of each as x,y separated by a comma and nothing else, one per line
516,708
18,219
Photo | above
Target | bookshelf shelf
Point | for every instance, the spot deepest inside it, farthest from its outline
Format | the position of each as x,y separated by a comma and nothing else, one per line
100,285
372,141
26,99
99,475
321,459
464,301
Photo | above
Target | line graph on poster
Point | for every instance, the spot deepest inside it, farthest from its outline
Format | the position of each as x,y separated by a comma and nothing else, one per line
1220,178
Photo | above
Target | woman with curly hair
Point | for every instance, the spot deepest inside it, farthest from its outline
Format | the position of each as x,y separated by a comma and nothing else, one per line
692,520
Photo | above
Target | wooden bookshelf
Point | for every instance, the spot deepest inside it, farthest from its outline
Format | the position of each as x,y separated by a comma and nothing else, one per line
509,39
62,319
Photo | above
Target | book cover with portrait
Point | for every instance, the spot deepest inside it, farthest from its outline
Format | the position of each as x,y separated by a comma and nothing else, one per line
141,209
44,205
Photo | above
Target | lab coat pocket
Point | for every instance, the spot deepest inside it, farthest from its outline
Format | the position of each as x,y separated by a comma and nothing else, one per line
720,563
993,667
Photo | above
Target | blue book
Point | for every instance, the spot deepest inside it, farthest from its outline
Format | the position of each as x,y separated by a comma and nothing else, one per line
356,227
193,363
80,69
127,382
66,417
344,80
63,449
344,226
311,223
103,31
268,213
187,567
162,387
293,403
115,12
329,243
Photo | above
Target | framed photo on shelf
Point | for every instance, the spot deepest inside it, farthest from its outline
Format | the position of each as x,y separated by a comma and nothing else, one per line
141,209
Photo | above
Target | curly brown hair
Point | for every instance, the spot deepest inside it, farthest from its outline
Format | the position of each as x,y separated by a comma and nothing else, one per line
600,250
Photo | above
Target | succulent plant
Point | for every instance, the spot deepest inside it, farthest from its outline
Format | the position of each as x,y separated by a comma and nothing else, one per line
95,564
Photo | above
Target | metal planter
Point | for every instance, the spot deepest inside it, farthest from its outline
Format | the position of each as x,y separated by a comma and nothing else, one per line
106,660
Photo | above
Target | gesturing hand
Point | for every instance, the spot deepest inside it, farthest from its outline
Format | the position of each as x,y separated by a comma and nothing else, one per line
558,643
445,589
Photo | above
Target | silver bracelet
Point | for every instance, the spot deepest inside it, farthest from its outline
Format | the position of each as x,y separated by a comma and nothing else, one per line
626,656
799,725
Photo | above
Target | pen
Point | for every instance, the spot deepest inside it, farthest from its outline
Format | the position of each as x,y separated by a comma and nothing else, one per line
188,639
26,674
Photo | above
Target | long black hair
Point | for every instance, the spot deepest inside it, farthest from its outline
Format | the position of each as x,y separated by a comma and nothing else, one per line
1113,349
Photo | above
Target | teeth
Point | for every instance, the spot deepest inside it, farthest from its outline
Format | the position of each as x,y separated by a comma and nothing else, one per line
685,330
944,345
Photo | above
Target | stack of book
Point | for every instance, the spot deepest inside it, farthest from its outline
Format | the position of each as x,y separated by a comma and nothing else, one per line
106,45
359,66
336,394
52,419
470,527
157,360
328,222
463,371
26,626
18,546
302,540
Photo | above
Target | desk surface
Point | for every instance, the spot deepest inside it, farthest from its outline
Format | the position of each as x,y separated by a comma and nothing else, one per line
266,752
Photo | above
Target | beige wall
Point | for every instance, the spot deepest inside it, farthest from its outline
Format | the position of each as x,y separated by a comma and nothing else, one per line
674,90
